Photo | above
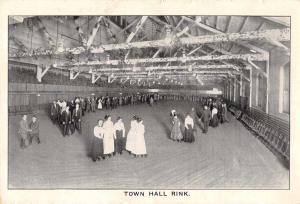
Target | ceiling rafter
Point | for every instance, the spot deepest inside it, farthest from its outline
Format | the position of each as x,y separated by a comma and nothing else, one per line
213,30
254,57
274,34
137,28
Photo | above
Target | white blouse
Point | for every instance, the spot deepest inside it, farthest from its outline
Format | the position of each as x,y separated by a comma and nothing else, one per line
214,111
98,131
189,121
119,126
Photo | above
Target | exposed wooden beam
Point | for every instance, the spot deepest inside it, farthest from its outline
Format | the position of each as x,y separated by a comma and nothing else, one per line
257,67
95,77
157,52
285,21
156,68
213,30
73,74
243,24
254,57
94,32
19,43
227,24
40,73
82,39
275,34
129,25
137,28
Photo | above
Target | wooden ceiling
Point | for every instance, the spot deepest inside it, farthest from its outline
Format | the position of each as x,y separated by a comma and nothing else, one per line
184,49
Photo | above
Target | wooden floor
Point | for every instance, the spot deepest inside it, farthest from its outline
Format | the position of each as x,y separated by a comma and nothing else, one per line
228,157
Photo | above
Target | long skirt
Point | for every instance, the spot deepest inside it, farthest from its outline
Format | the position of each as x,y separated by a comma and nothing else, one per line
99,106
176,133
189,134
130,141
140,145
97,148
119,142
108,143
215,121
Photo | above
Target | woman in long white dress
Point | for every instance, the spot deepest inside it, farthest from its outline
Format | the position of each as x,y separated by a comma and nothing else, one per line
100,104
140,145
108,138
130,142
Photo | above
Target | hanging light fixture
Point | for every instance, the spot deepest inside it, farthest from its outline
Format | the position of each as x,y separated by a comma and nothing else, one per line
183,56
169,37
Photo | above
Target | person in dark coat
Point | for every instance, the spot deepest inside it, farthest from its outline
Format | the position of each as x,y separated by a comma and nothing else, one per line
189,129
76,118
35,132
54,112
120,135
88,105
206,116
97,142
214,115
23,132
67,122
93,104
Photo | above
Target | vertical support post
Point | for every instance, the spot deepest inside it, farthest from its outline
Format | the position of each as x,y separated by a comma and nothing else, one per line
268,83
241,85
250,87
234,90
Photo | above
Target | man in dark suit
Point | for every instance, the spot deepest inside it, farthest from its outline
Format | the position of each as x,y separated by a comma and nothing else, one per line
35,132
76,118
206,116
54,111
23,132
67,122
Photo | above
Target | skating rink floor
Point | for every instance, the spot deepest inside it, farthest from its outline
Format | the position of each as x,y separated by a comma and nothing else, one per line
228,157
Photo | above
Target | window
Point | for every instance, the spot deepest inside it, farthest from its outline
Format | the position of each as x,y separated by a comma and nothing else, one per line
284,95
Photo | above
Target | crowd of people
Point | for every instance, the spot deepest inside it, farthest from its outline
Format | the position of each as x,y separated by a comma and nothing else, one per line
210,112
68,114
109,138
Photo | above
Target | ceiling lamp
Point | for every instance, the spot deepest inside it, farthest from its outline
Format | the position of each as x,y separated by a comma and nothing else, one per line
190,69
169,36
60,47
97,50
107,59
90,71
183,60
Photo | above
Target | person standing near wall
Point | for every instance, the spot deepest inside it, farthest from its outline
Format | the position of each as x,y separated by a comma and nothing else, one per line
54,110
35,132
23,132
